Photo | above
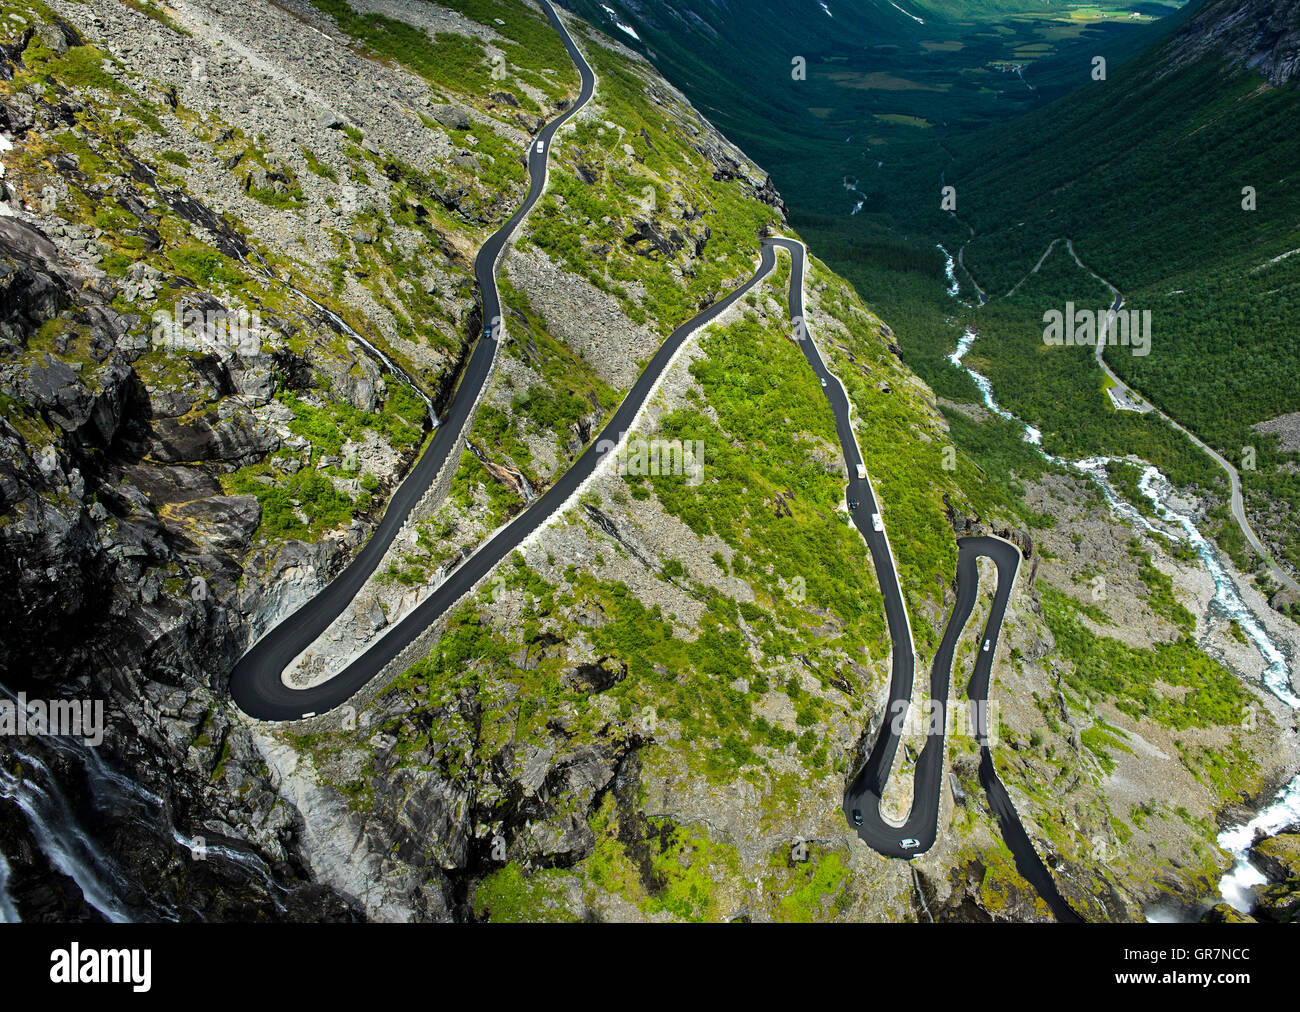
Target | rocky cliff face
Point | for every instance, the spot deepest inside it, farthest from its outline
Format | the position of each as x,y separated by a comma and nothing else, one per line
235,276
1260,34
117,552
165,382
172,480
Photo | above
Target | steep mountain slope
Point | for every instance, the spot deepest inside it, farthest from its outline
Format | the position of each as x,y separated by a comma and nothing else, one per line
1061,392
1261,35
652,710
1190,151
850,104
179,475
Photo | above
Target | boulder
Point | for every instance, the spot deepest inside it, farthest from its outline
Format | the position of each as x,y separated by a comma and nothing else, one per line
450,116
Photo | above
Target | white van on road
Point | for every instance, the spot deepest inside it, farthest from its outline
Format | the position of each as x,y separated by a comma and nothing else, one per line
862,471
876,523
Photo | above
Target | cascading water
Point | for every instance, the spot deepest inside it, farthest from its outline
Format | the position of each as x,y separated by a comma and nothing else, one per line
1032,435
344,327
61,836
950,274
1236,840
66,843
852,187
8,912
1235,886
202,849
388,363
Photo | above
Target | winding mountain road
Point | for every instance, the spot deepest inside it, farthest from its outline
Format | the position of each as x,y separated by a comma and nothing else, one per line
277,648
1007,558
862,800
257,684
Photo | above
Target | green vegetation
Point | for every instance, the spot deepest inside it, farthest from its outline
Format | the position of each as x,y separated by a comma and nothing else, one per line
816,887
1001,886
155,13
1168,164
1160,589
503,503
765,492
570,388
604,251
330,426
1099,739
1173,684
306,502
1228,770
508,895
317,167
455,62
302,505
460,63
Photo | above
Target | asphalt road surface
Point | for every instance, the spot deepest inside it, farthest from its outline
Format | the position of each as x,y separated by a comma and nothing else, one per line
257,685
258,688
290,637
918,833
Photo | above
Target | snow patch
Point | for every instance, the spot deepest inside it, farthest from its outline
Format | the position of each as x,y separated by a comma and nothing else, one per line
619,24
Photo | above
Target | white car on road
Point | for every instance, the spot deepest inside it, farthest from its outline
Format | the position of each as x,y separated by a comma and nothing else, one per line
909,843
876,523
541,146
986,646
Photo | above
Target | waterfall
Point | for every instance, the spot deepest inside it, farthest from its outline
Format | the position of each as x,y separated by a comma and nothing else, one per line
62,838
950,272
8,912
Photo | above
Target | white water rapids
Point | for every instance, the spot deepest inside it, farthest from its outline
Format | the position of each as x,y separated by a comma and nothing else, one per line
1235,886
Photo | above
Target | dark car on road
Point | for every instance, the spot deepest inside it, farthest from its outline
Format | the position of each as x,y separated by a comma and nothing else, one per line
857,816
